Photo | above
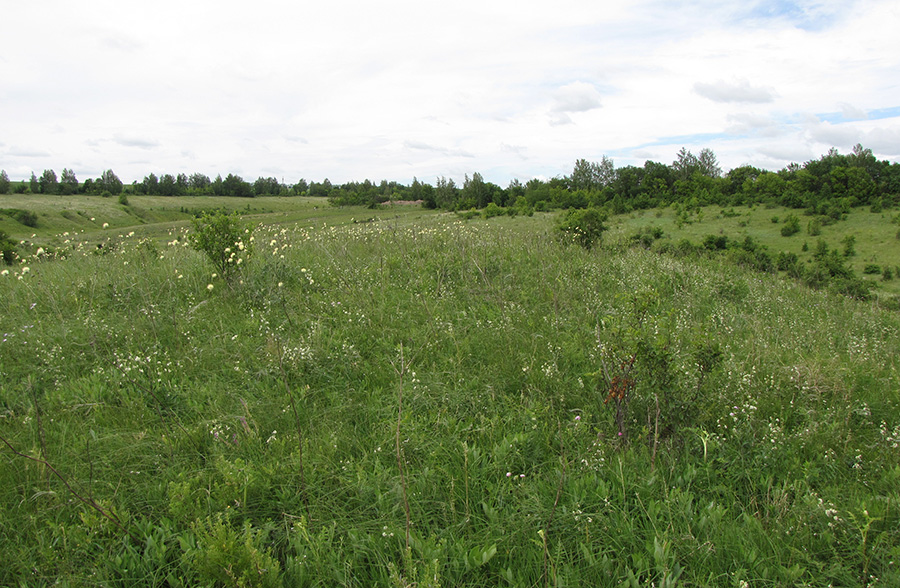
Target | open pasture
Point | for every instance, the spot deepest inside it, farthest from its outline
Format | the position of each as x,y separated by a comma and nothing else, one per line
398,398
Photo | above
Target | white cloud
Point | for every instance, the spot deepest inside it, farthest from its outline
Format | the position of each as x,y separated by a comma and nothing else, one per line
739,91
350,89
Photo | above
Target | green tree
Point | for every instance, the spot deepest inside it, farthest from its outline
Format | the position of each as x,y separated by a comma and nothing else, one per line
68,182
110,182
592,175
199,183
49,184
474,192
446,194
4,182
708,164
150,185
34,185
236,186
167,185
300,187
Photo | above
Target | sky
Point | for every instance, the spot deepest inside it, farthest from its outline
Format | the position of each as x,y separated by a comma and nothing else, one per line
512,89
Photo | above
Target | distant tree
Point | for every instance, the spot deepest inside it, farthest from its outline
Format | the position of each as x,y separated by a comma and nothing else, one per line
218,186
708,164
236,186
685,165
474,192
445,193
181,184
4,182
48,182
199,183
592,175
150,185
167,185
266,186
110,182
300,187
34,185
68,182
322,189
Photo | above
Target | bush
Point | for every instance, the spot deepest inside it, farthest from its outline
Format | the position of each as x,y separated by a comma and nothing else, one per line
7,249
791,226
715,242
583,226
872,268
224,240
123,199
814,228
493,210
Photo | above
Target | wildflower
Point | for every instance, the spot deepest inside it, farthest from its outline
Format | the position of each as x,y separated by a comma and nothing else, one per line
508,474
280,284
105,225
4,272
25,270
39,252
210,287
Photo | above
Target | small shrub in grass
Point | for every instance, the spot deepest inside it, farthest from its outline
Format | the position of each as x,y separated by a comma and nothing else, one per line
872,268
224,239
814,227
791,226
27,218
493,210
221,554
582,226
123,199
7,249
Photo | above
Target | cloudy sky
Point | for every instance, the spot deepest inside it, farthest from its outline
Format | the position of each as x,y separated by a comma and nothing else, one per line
392,89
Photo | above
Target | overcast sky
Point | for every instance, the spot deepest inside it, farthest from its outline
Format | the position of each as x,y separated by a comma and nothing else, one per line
392,89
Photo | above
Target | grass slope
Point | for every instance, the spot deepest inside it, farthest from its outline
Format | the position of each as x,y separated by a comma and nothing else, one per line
415,376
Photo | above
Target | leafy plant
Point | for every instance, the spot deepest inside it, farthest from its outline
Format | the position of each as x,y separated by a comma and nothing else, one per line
582,226
224,239
7,249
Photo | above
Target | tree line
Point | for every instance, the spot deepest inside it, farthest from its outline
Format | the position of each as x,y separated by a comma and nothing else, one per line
829,185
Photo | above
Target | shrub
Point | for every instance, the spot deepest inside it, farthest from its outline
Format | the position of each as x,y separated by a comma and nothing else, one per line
715,242
493,210
27,218
814,228
583,226
872,268
646,236
224,240
123,199
791,226
7,249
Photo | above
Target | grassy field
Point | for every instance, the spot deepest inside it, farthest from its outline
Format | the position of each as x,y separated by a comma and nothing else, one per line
877,235
400,398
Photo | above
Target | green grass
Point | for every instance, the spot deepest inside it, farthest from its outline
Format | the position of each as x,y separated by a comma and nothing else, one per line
169,405
876,234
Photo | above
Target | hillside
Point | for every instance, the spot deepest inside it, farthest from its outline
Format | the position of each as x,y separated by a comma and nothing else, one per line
400,397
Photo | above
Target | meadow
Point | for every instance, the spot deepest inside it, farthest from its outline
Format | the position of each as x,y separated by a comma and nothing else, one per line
400,397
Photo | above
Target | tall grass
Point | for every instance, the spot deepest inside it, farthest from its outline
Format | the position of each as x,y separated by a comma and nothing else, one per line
169,404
